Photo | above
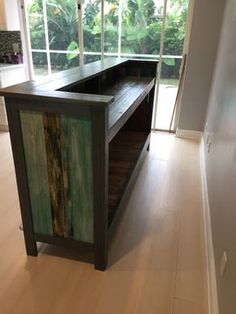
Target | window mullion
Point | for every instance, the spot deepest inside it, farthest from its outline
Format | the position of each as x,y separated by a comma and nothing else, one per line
80,33
119,27
45,19
102,29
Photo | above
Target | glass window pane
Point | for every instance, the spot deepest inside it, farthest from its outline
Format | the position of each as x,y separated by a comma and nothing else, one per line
141,26
36,24
63,61
167,92
92,25
111,11
175,27
62,24
40,64
91,58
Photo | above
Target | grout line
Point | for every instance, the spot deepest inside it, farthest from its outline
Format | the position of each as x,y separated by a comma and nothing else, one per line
178,244
177,252
176,261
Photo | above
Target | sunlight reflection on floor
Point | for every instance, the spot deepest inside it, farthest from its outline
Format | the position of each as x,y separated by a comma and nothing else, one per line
165,142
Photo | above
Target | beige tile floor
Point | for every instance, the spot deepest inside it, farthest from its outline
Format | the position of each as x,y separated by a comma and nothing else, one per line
156,261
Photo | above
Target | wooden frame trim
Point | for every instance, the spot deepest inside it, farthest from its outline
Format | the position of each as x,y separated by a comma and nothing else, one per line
100,177
62,241
59,97
53,107
21,175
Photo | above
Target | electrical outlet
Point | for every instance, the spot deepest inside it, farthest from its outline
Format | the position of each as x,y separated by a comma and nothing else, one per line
223,263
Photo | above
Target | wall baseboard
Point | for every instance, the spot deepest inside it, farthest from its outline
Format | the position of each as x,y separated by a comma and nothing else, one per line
210,261
4,128
189,134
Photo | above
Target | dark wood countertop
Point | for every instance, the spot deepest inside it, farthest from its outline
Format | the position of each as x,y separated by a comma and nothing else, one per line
50,86
121,99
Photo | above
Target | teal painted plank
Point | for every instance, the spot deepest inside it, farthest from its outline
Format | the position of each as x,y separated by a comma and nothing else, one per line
36,164
78,177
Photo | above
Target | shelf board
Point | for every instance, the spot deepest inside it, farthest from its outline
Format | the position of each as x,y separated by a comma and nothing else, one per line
128,93
124,153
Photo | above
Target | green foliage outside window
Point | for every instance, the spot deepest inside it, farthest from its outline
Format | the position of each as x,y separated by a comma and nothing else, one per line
141,29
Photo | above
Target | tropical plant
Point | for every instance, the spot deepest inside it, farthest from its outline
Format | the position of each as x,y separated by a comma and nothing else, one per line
141,29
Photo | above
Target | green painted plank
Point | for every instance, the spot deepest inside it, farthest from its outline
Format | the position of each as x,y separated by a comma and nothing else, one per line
78,177
36,164
54,147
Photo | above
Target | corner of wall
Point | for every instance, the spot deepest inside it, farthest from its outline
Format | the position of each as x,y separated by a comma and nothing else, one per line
189,134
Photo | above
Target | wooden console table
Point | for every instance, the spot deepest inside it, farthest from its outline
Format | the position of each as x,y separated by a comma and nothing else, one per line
78,140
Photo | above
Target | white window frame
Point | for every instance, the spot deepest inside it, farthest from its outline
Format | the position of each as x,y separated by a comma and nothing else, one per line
81,53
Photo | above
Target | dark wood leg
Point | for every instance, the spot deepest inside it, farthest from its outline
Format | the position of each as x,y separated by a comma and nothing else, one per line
100,181
101,261
31,247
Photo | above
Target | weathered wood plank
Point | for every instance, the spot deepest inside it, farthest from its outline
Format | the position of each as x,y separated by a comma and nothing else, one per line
36,164
128,94
53,141
77,165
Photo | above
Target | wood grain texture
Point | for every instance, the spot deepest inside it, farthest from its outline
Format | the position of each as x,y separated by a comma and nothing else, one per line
128,94
100,170
64,79
56,173
125,93
58,152
36,163
78,177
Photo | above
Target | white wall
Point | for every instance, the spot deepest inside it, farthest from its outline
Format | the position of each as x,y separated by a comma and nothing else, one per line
9,15
221,161
204,38
12,15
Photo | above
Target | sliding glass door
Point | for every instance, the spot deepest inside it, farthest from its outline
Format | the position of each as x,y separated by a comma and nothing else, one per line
131,28
170,64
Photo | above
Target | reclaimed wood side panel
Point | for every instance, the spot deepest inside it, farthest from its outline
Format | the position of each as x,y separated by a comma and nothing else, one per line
36,164
77,164
58,153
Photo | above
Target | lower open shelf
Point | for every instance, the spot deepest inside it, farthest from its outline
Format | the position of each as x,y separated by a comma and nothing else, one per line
124,151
